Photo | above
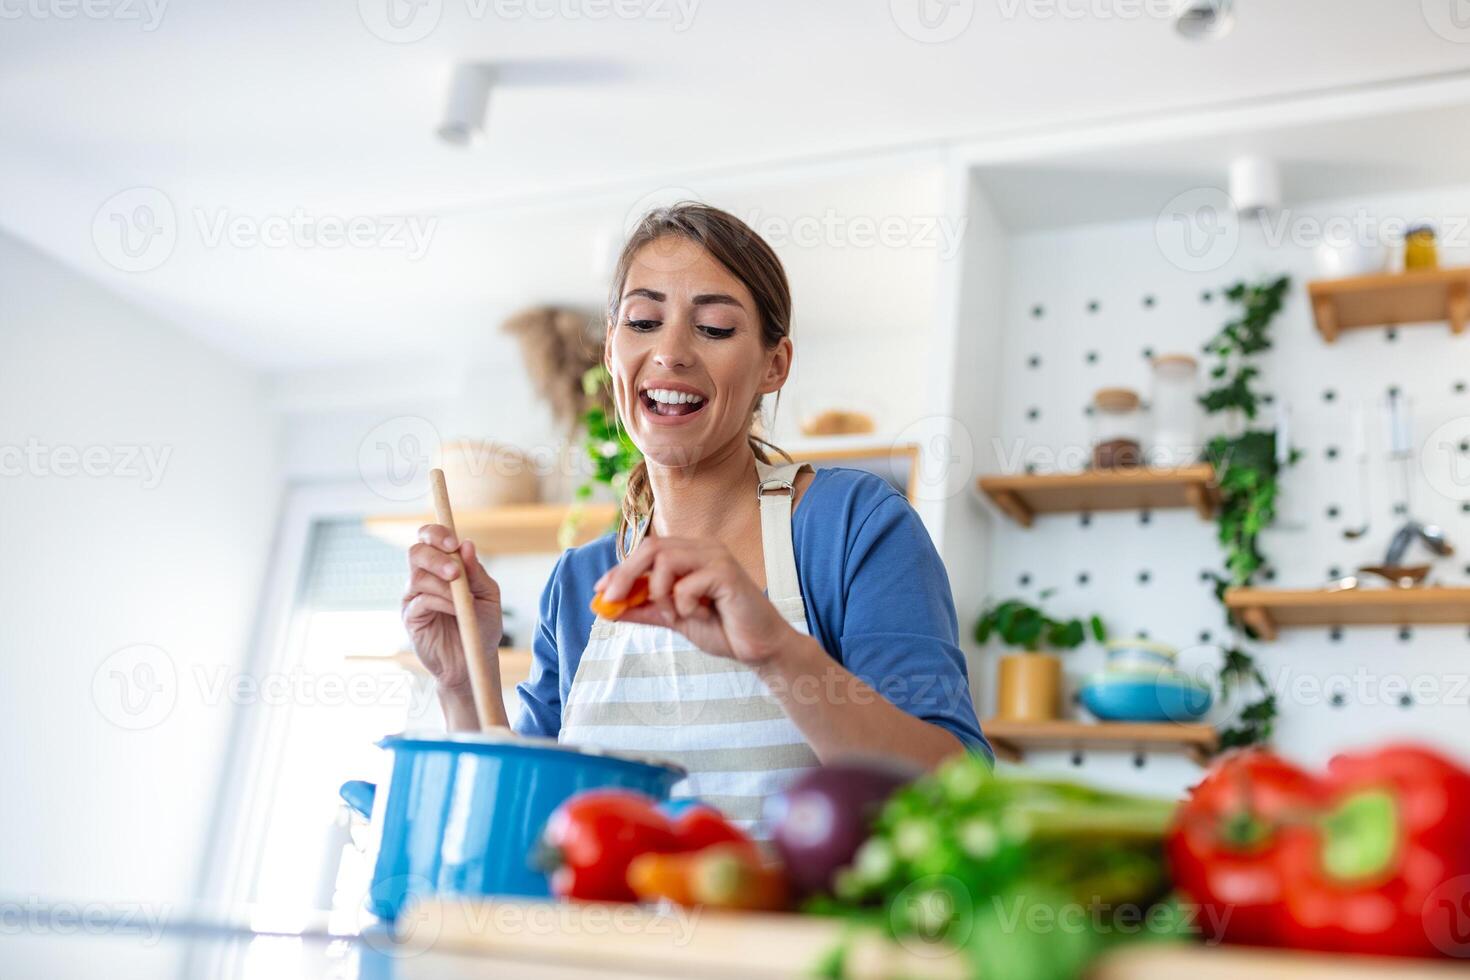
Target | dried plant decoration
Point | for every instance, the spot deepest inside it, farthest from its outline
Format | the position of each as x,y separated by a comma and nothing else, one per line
559,346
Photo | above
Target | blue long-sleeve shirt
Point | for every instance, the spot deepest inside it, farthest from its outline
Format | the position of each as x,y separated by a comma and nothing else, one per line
877,599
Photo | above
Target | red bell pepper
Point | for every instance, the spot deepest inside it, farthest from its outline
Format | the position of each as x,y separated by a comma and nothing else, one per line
1373,858
1226,840
592,838
1396,826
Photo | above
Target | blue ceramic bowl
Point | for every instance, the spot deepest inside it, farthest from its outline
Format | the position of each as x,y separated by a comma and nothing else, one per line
463,813
1167,696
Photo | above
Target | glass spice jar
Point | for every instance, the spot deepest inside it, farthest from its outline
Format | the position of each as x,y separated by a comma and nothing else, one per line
1174,408
1419,248
1117,429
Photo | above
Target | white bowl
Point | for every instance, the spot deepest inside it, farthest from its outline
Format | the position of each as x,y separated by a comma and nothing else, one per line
1340,260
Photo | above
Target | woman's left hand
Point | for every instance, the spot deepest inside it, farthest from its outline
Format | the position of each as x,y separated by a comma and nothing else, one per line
697,588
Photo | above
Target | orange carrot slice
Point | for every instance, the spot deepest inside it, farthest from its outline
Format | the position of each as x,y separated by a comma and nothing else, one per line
637,596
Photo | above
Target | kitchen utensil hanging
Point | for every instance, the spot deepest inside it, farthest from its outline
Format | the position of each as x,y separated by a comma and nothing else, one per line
1361,459
1291,509
1401,449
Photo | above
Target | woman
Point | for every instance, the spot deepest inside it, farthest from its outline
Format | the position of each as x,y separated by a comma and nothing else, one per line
795,617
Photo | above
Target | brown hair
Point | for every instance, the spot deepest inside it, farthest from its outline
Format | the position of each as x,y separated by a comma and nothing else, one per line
750,259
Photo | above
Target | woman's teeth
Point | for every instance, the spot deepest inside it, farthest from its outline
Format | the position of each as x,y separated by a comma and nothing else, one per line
669,397
665,401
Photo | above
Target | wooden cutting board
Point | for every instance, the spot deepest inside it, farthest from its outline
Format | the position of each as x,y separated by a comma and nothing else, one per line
677,943
1231,963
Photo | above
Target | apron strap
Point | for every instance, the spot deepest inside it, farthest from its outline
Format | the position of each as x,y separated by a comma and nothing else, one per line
776,491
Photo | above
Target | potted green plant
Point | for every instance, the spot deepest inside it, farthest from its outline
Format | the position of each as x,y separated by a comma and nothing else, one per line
1029,683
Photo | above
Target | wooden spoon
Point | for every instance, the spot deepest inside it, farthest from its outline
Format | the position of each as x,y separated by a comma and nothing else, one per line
484,671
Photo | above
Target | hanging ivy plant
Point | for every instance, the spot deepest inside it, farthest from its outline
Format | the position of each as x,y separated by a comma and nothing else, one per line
1247,466
606,444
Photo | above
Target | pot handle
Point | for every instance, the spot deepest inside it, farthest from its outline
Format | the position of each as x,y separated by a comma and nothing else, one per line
359,796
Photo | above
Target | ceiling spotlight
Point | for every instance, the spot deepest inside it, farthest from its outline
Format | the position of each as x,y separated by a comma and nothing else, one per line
469,89
1204,20
469,101
1255,186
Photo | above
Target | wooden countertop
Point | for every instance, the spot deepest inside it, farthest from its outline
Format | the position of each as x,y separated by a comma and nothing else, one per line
632,940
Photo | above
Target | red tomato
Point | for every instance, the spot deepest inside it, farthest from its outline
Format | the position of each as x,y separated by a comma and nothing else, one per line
593,837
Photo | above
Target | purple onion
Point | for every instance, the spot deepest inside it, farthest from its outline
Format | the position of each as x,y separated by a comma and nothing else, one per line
826,813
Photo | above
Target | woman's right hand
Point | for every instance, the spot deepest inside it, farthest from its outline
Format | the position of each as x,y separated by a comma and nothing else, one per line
428,607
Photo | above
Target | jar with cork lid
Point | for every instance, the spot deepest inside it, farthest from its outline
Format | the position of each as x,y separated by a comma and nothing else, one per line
1117,429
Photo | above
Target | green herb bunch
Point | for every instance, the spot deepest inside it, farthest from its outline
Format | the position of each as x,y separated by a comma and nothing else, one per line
990,866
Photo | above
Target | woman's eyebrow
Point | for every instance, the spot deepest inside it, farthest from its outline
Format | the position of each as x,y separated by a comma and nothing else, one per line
657,297
703,299
717,299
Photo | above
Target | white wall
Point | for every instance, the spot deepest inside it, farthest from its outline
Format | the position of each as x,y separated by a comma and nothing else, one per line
969,384
1117,266
95,564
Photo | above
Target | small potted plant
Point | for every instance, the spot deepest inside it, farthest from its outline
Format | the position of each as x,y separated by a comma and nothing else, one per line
1029,684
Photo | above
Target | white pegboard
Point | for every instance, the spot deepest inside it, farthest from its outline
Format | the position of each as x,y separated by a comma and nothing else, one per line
1084,308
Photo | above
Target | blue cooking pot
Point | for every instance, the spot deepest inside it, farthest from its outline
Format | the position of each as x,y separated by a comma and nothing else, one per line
463,812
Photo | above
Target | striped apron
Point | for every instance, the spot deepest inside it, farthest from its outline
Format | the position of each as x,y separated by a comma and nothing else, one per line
646,689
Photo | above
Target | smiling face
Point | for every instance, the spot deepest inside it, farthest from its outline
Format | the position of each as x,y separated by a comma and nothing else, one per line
687,356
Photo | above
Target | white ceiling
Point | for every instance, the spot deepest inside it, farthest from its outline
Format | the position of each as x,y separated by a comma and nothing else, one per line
1328,160
273,106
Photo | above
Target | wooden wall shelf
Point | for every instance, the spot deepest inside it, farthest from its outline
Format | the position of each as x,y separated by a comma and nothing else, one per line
517,529
1391,298
1142,488
1013,739
1268,610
